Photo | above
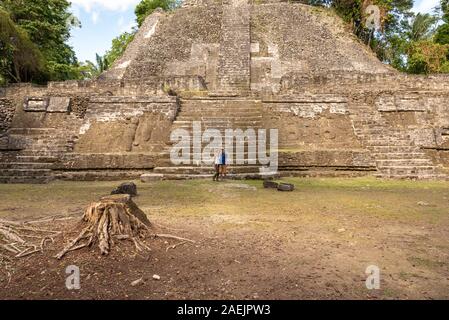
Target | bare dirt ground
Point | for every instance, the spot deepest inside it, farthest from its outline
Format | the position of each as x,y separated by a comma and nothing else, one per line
251,243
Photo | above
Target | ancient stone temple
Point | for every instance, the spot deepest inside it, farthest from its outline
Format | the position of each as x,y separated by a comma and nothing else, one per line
231,64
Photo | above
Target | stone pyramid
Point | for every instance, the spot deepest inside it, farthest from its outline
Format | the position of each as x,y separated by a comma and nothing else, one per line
248,65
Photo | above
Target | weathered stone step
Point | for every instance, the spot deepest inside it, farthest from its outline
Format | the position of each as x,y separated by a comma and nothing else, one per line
239,176
40,152
204,170
384,135
31,131
228,117
218,105
393,142
99,175
393,149
200,114
368,123
26,179
323,173
220,127
36,158
24,172
168,163
404,162
181,120
215,122
400,156
408,170
222,107
38,148
25,165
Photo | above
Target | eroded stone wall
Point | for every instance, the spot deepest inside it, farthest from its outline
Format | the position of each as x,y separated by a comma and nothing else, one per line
126,124
184,43
6,114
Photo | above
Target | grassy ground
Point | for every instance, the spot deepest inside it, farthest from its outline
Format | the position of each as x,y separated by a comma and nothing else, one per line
315,242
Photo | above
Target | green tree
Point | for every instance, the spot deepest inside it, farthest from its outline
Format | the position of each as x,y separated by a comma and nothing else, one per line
20,59
426,56
408,42
48,24
90,70
421,27
119,46
143,10
146,7
442,34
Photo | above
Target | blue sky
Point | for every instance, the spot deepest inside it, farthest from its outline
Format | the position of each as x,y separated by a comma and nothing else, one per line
103,20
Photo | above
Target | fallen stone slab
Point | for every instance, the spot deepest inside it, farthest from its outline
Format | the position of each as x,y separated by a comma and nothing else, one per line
286,187
126,188
267,184
149,177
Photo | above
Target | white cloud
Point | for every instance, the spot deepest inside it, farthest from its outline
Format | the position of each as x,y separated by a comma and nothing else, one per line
95,16
112,5
425,6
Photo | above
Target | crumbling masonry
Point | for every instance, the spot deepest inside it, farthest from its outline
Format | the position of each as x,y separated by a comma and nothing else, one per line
231,64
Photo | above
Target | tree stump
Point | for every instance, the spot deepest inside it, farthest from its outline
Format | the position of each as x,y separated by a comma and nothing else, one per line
114,217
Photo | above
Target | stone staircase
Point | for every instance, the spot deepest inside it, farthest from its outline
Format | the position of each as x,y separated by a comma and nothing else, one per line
395,154
231,113
32,153
235,58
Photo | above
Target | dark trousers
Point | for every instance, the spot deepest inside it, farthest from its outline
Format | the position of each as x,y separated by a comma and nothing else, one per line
217,172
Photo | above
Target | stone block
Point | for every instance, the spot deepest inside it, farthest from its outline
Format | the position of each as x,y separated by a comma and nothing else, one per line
58,105
149,177
267,184
126,188
286,187
35,105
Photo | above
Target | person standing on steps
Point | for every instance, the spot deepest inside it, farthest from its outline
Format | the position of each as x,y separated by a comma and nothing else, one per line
223,167
217,164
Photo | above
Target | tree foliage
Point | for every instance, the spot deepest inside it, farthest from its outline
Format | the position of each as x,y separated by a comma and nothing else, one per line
147,7
408,42
426,56
90,70
119,46
47,24
20,58
442,34
142,11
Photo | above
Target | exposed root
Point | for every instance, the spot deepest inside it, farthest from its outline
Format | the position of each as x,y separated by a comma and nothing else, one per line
175,245
53,219
169,236
114,217
21,241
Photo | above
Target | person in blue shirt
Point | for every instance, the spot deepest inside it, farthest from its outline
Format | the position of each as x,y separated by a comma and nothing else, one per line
223,166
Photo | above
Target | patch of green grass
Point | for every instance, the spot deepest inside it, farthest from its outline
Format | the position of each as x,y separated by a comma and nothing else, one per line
425,262
366,183
314,198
